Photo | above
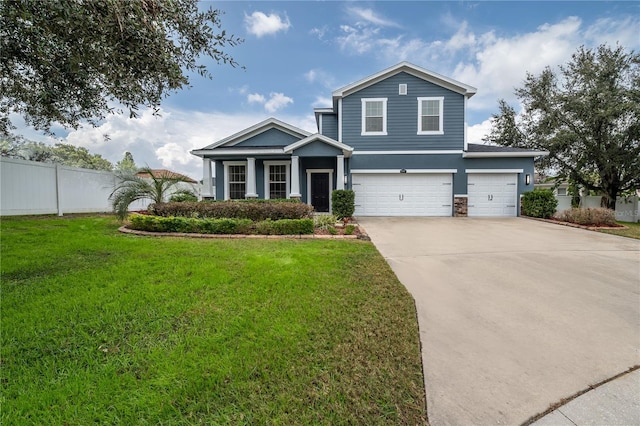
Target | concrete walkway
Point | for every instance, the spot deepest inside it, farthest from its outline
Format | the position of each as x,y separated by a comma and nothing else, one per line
614,403
515,315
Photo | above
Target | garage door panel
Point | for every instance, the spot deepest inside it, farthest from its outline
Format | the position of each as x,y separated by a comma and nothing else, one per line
492,194
403,194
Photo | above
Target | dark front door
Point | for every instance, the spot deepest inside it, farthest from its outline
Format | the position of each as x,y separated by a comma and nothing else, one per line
320,191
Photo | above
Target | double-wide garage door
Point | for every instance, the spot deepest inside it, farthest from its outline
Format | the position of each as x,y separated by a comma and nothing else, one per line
492,194
410,194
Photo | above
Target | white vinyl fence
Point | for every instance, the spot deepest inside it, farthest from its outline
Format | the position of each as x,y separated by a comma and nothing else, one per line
29,187
626,207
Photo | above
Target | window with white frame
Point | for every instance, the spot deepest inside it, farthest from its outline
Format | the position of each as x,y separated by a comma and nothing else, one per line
374,116
237,181
430,116
276,179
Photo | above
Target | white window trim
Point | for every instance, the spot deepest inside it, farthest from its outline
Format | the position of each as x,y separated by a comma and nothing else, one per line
431,132
227,189
309,172
364,117
268,164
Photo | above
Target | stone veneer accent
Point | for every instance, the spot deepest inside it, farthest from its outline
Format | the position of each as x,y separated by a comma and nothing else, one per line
460,206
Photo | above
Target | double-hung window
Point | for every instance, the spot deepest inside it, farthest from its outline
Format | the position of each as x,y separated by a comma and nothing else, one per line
236,180
374,116
430,116
276,179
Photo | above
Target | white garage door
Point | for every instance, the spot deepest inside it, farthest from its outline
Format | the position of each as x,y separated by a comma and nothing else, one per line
403,194
492,194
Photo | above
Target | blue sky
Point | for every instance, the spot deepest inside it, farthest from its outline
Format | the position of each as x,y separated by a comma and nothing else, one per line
296,53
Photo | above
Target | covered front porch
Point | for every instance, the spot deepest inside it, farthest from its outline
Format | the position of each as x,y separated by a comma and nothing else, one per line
308,170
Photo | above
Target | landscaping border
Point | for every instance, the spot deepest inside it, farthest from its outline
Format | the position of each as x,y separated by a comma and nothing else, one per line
126,230
575,225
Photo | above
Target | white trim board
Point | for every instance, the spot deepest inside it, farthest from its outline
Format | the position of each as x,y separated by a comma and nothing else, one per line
494,170
508,154
407,171
430,152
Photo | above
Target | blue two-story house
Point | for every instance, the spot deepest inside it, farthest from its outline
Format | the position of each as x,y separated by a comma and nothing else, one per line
397,138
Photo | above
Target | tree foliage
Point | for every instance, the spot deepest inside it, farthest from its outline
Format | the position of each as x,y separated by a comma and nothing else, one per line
65,154
149,185
69,62
127,164
587,116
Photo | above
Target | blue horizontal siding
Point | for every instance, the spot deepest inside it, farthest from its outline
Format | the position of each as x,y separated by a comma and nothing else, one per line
271,137
330,125
402,117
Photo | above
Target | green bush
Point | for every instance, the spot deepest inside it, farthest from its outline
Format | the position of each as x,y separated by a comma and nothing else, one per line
539,203
182,197
349,229
324,221
343,201
220,226
589,216
256,210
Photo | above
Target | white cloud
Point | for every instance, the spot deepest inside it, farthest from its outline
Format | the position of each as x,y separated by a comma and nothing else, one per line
476,132
261,24
165,141
322,102
277,101
255,98
358,39
319,32
371,17
320,76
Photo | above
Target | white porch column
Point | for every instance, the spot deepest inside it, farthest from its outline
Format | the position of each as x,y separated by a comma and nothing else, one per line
207,190
295,178
340,172
251,178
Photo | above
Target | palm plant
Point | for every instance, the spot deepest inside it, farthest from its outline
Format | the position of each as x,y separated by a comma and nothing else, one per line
146,183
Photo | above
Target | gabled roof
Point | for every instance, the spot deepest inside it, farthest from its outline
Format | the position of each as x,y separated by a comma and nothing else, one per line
346,149
435,78
256,129
475,150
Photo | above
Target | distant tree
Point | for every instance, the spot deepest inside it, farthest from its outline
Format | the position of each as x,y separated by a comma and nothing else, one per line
587,117
145,184
67,155
127,164
68,62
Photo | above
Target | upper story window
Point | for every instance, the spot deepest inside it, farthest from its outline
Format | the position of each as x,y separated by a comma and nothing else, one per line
430,116
374,116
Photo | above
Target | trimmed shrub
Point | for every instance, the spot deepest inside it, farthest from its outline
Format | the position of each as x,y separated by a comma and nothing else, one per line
349,229
182,197
343,201
256,210
220,226
539,203
189,225
589,216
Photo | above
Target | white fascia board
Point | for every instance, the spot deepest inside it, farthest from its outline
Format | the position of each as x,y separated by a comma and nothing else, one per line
247,152
430,152
406,171
494,170
504,154
258,128
318,137
409,68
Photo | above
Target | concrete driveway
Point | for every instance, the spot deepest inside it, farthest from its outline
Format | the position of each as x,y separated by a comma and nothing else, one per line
514,314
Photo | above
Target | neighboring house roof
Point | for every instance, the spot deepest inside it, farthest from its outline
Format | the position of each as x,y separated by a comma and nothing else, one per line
425,74
163,173
475,150
263,126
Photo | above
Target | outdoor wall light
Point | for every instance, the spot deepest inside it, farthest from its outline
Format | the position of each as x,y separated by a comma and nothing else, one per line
527,179
403,171
345,179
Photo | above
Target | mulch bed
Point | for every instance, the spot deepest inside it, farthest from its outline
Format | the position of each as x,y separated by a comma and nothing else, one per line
575,225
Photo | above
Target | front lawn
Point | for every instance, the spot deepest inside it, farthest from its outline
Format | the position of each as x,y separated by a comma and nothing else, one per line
632,231
101,327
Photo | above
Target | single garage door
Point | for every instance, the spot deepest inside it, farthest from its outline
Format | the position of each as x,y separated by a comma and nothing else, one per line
403,194
492,194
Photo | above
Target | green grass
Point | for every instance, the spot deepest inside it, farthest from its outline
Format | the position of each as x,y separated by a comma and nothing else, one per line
102,327
632,230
